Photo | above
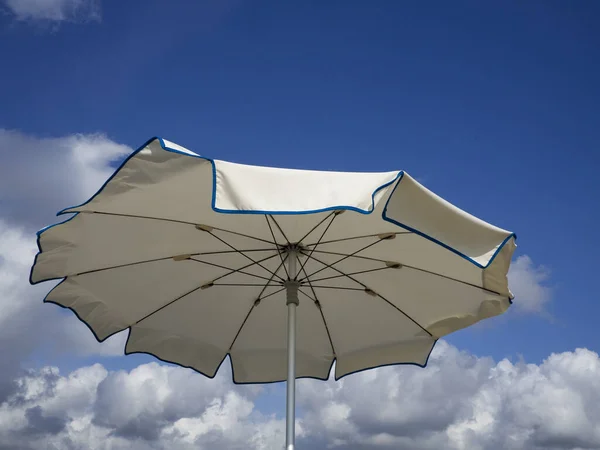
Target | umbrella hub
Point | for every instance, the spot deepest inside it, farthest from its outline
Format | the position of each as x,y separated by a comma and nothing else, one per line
291,248
292,284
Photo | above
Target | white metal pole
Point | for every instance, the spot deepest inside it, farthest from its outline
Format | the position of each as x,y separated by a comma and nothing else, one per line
292,301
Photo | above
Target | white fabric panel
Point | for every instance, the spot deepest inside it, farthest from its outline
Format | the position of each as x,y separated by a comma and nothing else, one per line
178,147
252,188
112,300
125,254
361,324
417,207
172,186
96,241
495,275
260,351
197,330
406,248
424,297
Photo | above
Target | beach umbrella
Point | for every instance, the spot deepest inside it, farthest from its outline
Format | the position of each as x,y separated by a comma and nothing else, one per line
285,271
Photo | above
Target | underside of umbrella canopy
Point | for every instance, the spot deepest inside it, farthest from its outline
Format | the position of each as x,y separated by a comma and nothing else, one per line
189,254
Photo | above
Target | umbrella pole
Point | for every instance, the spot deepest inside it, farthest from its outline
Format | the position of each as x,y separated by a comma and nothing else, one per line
292,301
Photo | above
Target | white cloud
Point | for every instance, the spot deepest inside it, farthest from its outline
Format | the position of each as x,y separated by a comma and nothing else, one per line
32,184
528,284
152,406
461,402
43,175
55,10
458,402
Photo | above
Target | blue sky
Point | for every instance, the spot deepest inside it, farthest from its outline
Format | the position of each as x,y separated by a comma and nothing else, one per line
495,109
492,106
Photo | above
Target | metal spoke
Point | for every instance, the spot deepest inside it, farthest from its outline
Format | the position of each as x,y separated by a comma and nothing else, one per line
343,288
246,284
366,288
357,237
341,259
333,216
325,252
204,285
280,255
352,273
243,254
167,304
232,271
272,293
255,304
164,258
316,226
221,252
307,296
406,266
163,219
280,229
120,266
318,304
241,268
266,285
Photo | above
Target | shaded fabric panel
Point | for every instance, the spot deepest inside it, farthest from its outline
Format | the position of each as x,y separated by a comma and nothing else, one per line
260,351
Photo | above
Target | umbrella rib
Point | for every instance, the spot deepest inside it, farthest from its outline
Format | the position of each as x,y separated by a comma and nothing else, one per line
378,295
353,256
241,268
274,239
190,292
135,216
353,273
316,226
235,251
120,266
232,271
318,303
254,304
164,258
356,237
247,284
248,315
243,254
272,293
333,216
343,288
280,230
339,260
167,304
413,268
307,296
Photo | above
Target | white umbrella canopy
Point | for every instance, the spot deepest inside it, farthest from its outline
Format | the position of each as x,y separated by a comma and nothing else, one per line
201,259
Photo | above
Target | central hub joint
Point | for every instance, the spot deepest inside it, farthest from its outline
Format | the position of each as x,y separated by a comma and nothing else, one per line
292,248
292,284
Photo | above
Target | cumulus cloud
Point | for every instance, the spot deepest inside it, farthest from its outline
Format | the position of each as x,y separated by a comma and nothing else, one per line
55,10
528,283
151,406
461,402
38,176
458,402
